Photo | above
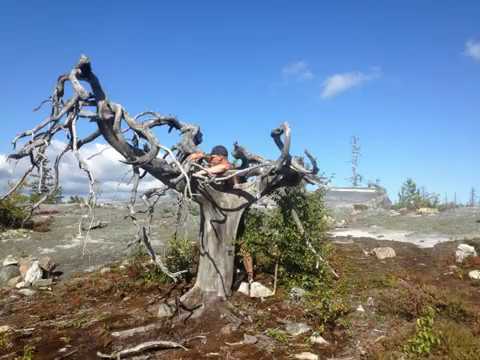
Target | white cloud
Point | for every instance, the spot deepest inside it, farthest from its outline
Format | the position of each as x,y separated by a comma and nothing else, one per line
472,49
299,71
110,174
338,83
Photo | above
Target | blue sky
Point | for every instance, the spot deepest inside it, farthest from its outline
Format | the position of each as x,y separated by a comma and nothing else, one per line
403,76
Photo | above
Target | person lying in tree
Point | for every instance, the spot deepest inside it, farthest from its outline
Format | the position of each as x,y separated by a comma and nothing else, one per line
217,161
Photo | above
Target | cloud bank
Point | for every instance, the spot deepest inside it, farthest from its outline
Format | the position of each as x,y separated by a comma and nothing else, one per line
111,176
339,83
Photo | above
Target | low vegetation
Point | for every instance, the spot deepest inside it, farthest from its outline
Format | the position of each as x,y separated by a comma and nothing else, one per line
412,197
12,212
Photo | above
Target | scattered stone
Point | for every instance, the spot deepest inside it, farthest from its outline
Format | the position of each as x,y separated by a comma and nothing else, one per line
297,294
265,343
474,274
47,264
249,339
164,310
21,284
318,340
27,292
7,273
394,213
341,224
34,273
14,281
360,308
124,264
296,329
105,270
10,260
384,252
227,329
463,251
306,356
14,234
42,283
427,211
5,329
360,207
257,290
41,223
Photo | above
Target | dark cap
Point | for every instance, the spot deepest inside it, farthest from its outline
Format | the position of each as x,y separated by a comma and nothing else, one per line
219,150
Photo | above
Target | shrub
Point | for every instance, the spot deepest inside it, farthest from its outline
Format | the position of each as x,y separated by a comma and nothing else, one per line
425,338
411,197
273,236
182,254
457,342
12,213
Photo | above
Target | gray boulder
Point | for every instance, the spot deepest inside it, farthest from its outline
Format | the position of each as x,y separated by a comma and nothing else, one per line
296,329
464,251
7,273
384,252
34,273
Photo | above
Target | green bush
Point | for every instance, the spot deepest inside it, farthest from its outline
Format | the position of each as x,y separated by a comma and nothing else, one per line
273,237
12,213
182,254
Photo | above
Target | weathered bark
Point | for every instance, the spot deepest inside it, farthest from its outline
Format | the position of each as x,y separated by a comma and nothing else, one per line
221,213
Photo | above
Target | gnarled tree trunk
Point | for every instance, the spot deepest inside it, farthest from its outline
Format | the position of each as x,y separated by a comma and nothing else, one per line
221,213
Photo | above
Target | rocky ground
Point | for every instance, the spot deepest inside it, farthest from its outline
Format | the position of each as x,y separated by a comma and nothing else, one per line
85,252
373,311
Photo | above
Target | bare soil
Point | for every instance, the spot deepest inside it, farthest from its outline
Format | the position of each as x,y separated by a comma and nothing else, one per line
80,314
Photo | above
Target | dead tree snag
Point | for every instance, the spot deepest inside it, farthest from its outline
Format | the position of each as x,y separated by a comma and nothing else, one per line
222,203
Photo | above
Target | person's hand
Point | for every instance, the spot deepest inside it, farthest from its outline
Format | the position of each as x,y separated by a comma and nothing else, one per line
196,156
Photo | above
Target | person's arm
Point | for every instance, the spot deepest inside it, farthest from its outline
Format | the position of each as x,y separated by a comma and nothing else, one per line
196,156
219,169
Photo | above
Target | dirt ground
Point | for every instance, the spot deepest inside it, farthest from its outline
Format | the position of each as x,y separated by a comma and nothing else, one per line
79,316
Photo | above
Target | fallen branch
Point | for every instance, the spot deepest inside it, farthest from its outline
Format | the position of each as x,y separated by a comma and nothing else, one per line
136,331
146,346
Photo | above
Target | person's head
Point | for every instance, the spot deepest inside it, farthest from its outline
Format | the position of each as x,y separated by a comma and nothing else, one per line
218,154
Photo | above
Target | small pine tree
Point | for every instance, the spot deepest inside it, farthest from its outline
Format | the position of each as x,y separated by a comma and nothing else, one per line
273,237
412,197
42,183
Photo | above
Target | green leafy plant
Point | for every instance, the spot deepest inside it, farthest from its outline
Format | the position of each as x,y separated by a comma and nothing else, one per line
273,237
5,342
27,353
277,334
425,338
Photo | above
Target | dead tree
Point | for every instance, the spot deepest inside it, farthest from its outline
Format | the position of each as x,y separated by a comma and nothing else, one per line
356,178
473,197
222,203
